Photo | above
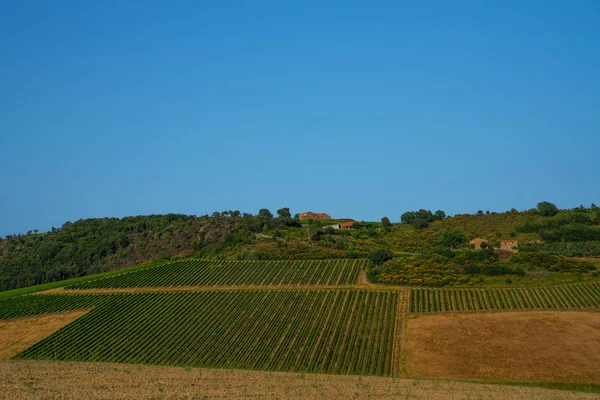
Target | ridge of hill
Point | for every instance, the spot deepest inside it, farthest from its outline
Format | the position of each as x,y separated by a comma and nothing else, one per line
97,245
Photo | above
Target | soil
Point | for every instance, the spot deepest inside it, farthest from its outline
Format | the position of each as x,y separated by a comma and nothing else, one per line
514,346
26,379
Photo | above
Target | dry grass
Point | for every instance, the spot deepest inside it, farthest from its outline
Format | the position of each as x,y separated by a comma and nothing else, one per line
19,333
517,346
62,380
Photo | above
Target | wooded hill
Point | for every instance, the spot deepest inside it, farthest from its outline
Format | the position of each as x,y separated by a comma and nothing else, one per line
97,245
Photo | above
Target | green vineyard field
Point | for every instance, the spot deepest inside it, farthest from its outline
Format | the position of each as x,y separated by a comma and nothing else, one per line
574,296
23,306
342,331
235,273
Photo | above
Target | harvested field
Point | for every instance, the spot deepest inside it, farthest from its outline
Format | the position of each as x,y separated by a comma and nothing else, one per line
18,334
69,380
517,346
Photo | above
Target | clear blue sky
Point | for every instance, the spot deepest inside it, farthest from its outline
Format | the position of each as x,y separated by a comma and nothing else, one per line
363,110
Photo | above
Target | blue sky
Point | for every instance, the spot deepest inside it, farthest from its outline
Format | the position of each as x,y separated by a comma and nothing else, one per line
361,110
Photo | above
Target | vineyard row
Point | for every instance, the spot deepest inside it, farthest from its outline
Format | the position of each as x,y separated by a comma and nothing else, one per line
574,296
321,331
235,273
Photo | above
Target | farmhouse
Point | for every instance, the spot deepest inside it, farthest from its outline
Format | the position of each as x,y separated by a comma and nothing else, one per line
312,215
347,224
477,243
509,244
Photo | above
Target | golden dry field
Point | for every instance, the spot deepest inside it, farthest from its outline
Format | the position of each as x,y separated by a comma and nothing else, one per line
511,346
24,380
17,334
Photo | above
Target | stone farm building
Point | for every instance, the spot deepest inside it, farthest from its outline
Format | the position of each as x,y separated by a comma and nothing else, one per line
312,215
477,243
509,244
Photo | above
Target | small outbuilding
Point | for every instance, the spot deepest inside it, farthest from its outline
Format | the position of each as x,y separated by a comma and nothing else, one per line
509,245
334,226
347,224
477,242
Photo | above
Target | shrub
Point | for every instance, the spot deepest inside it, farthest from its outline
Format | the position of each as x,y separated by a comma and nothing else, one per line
380,256
496,269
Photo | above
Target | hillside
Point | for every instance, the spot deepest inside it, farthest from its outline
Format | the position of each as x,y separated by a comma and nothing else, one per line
92,246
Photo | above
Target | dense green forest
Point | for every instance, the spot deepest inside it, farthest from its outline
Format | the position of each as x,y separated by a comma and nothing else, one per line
426,248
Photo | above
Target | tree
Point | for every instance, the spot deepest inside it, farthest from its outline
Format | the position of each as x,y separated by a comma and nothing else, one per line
284,213
385,221
439,215
594,207
418,219
452,238
480,212
420,223
380,256
263,212
312,229
547,209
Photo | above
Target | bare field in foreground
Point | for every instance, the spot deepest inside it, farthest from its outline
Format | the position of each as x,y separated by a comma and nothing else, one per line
72,380
17,334
516,346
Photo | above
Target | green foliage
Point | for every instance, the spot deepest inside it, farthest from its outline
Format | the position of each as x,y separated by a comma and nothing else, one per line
452,238
94,246
380,256
439,215
265,213
441,266
496,269
421,219
99,245
546,209
548,262
575,249
385,222
284,213
566,226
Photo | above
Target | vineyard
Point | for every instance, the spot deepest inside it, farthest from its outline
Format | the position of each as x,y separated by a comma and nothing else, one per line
235,273
322,331
575,296
300,316
24,306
